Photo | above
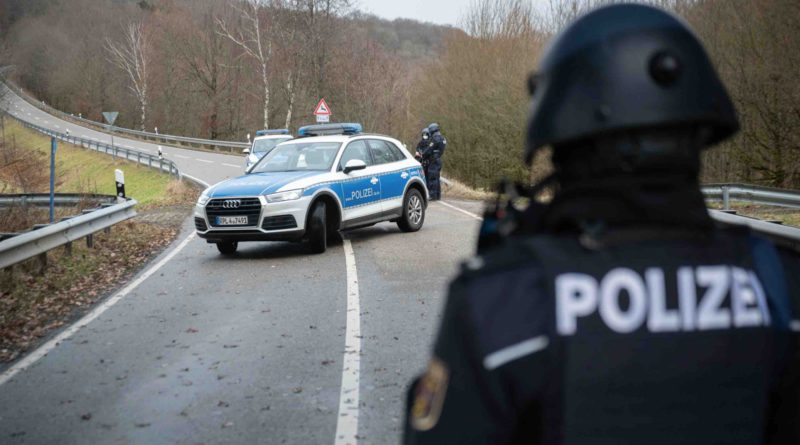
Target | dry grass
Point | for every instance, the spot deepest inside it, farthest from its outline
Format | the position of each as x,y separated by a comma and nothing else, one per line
459,190
32,303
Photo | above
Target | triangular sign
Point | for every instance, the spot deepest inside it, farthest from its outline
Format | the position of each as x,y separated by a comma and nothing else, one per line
110,116
322,109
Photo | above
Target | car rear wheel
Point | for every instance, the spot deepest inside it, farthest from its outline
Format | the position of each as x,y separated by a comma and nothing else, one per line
227,247
317,229
413,212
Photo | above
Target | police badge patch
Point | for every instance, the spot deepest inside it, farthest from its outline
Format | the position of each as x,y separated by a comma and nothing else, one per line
429,396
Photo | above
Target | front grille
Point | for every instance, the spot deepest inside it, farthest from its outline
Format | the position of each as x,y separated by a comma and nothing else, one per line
200,224
279,222
249,207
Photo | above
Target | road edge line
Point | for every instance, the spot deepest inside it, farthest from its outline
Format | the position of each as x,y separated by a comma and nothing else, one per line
347,421
44,349
459,209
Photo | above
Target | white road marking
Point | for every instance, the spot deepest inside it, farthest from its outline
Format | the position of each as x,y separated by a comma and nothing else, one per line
347,421
42,351
204,160
231,165
182,156
458,209
499,358
58,126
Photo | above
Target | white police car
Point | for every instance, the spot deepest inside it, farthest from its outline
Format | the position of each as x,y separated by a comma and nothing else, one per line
331,178
263,143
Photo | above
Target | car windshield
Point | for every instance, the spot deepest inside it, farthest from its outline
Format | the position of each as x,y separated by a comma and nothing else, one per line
261,146
299,156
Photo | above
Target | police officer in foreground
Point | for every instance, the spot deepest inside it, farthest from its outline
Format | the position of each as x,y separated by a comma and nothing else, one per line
619,313
423,145
433,156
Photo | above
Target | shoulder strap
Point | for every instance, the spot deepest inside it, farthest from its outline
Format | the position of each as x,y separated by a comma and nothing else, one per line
769,268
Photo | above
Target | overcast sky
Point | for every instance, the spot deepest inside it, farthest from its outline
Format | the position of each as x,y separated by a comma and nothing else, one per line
445,12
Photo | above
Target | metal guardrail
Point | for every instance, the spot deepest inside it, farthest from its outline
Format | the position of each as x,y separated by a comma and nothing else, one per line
166,139
61,199
784,235
152,161
751,193
21,247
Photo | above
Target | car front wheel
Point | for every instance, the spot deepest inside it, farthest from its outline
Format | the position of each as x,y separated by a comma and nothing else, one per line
413,212
317,229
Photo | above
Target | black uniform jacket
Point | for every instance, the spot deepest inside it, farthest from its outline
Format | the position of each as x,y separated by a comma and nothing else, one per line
679,341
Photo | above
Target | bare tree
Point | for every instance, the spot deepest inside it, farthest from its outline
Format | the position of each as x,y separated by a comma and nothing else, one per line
251,39
131,56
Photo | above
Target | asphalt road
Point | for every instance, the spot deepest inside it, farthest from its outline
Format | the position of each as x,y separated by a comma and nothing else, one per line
250,349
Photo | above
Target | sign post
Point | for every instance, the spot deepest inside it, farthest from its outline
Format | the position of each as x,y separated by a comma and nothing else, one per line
322,112
111,117
53,146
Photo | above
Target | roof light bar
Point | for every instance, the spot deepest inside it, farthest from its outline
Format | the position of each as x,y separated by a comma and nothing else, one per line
271,132
329,129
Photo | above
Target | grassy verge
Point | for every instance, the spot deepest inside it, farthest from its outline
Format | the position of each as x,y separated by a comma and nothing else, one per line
32,303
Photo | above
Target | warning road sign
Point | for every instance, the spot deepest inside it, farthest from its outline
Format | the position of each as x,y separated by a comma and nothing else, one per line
322,109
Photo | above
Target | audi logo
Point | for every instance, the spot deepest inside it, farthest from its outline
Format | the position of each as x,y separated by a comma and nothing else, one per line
231,204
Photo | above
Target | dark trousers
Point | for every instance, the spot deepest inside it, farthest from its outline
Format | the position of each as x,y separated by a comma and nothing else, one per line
432,177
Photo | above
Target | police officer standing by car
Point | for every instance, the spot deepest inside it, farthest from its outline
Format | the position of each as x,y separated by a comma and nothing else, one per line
619,313
423,144
433,156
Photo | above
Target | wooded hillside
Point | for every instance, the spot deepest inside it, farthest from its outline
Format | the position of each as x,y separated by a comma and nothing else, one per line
224,68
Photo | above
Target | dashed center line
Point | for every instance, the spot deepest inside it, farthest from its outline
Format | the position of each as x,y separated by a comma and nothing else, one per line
231,165
182,156
204,160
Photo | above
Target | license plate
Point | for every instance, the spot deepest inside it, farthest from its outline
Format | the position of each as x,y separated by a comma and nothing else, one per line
231,220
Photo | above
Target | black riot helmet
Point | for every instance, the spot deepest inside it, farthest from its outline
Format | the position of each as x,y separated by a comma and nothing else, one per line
433,128
626,69
426,134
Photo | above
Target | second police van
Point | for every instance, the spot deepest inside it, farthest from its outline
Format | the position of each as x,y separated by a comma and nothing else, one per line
263,143
332,177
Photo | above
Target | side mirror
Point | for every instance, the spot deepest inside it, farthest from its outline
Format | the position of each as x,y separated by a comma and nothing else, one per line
354,164
246,151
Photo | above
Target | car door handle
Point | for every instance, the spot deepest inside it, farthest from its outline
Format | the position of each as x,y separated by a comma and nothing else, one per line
404,175
373,181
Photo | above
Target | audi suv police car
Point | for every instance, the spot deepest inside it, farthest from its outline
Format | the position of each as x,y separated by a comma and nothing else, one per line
331,178
263,143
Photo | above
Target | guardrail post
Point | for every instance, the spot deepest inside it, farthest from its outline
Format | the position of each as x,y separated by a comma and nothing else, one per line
726,198
89,241
41,262
68,249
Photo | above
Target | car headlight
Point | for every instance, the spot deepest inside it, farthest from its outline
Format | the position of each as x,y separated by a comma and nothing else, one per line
203,199
291,195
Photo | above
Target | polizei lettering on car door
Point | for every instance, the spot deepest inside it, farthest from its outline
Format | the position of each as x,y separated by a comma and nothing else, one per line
708,297
362,194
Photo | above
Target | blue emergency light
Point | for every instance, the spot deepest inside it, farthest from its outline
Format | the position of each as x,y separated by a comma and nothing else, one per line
329,129
271,132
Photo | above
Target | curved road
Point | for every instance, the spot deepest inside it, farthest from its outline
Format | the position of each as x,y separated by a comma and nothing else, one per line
204,349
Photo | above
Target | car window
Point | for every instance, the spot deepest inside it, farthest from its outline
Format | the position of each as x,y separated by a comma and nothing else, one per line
265,145
398,154
355,150
299,156
381,152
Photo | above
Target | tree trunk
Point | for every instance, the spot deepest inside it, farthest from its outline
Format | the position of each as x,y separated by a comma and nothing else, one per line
265,80
289,109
